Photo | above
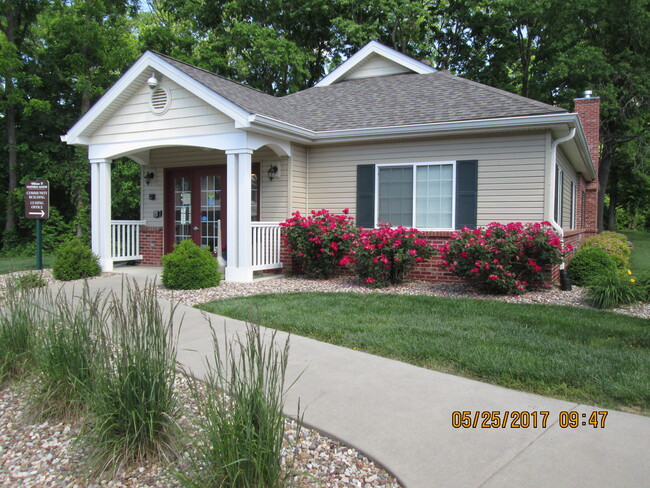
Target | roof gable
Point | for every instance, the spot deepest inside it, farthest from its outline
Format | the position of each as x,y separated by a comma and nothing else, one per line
374,60
132,82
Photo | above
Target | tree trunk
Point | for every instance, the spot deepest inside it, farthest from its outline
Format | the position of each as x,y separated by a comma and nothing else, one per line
81,188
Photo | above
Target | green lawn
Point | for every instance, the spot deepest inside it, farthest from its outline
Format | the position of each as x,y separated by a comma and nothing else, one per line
9,265
587,356
640,259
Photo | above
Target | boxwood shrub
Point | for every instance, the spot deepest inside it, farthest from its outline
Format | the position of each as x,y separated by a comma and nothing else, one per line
590,263
190,267
75,260
613,244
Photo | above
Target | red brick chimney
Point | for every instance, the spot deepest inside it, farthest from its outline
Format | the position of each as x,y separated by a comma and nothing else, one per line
588,110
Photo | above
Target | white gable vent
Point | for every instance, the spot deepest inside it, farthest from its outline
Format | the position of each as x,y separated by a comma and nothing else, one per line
160,100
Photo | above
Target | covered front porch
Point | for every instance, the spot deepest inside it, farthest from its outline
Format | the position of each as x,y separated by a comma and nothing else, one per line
215,196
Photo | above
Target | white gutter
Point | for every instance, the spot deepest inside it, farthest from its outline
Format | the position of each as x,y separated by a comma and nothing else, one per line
551,216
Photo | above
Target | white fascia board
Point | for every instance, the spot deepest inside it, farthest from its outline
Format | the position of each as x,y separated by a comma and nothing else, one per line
150,61
271,126
369,49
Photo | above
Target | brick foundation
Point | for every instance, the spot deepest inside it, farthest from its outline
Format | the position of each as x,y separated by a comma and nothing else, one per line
151,245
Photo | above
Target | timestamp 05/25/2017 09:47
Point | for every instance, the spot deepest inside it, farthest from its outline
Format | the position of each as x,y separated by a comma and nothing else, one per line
524,419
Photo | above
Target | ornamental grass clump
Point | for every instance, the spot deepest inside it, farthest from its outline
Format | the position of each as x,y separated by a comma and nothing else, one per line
240,415
133,408
65,350
504,258
384,256
20,318
319,241
614,289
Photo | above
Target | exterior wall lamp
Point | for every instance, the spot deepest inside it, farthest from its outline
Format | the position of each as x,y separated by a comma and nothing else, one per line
148,177
272,171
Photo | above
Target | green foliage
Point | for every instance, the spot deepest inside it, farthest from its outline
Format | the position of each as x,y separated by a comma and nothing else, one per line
190,267
132,405
242,433
29,280
125,193
19,322
613,244
613,289
65,350
504,258
588,263
75,260
384,256
320,240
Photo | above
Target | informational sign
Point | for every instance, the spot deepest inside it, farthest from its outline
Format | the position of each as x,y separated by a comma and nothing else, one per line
37,199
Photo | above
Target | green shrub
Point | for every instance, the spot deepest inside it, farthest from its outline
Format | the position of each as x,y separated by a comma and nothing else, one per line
589,263
613,289
29,280
75,260
504,258
320,240
385,255
241,435
612,244
133,409
190,267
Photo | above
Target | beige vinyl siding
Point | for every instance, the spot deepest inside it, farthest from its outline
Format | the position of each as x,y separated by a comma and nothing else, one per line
187,115
298,182
510,180
376,66
569,176
273,197
273,200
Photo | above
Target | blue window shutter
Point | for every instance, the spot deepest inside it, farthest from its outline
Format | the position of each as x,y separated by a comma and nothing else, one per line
466,191
366,195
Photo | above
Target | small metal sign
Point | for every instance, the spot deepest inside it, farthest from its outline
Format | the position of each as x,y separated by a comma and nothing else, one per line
37,199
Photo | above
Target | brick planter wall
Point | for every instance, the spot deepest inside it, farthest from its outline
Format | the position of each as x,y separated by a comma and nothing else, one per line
151,245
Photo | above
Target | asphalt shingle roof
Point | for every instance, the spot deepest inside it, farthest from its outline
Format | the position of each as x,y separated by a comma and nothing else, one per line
396,100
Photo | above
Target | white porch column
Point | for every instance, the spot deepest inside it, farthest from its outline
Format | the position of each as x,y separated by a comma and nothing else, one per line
239,245
100,199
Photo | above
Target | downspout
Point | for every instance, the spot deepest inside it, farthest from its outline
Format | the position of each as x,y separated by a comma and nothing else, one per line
565,283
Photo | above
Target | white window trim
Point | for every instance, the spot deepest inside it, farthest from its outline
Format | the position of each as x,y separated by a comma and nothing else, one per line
415,166
559,196
574,195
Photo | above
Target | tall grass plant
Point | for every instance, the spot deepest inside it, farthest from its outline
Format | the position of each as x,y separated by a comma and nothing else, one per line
132,404
241,415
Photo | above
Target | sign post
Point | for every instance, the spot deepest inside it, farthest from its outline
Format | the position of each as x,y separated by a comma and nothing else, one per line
37,206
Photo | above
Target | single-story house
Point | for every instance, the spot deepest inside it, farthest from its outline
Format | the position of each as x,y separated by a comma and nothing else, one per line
385,135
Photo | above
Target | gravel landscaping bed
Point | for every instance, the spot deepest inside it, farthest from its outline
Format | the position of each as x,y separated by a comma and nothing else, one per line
551,296
45,455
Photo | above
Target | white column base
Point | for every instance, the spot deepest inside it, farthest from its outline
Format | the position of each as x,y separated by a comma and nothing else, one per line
106,264
239,275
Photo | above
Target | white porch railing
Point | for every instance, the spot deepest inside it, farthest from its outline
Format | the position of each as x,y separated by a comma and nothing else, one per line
267,242
125,240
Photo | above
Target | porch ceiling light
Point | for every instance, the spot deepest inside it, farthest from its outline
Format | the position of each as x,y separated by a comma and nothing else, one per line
148,177
272,171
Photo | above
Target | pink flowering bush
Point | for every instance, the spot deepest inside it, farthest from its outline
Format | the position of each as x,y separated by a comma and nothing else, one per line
504,258
319,241
385,255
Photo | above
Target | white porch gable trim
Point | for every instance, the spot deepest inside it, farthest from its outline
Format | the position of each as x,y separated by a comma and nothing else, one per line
370,49
132,81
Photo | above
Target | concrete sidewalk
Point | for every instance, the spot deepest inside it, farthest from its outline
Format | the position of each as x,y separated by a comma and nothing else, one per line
401,416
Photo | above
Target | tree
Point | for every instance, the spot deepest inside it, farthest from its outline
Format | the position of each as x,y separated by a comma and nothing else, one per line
16,19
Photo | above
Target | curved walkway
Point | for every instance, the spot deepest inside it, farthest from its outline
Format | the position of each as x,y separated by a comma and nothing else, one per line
401,416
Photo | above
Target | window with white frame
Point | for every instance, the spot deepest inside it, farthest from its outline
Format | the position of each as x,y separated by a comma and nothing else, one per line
573,204
559,195
416,195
